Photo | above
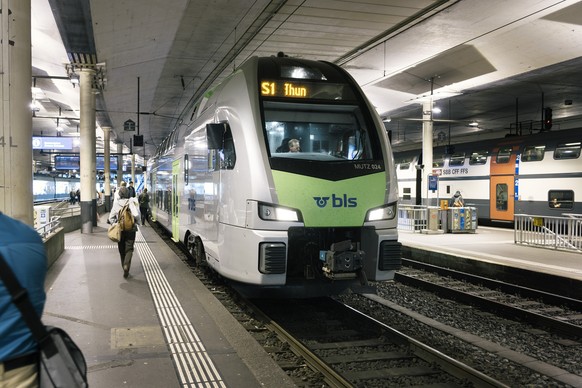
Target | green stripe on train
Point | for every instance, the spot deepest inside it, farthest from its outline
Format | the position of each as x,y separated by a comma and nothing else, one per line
330,203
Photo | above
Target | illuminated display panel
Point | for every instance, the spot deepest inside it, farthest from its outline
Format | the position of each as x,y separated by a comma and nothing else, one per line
66,162
301,89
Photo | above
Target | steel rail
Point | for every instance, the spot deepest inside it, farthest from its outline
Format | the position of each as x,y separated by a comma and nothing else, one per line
431,355
507,310
332,378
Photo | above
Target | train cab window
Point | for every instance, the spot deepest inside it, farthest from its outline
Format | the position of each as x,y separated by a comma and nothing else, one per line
228,153
457,160
501,196
503,155
438,162
478,157
533,153
561,199
567,151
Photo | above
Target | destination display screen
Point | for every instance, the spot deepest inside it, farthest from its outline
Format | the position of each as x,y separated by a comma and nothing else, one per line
301,89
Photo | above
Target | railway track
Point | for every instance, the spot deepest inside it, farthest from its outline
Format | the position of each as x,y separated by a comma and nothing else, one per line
323,342
552,312
358,361
352,349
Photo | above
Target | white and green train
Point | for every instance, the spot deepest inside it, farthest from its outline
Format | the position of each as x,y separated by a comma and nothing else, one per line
226,185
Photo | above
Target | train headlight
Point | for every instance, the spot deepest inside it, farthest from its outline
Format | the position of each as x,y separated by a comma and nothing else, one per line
269,212
385,212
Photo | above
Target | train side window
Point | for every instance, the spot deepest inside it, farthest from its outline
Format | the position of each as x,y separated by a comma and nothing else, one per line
478,157
438,162
186,169
404,164
457,160
501,196
503,155
561,199
567,151
533,153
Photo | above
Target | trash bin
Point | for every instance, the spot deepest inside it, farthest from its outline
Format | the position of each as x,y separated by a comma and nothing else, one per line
433,221
461,220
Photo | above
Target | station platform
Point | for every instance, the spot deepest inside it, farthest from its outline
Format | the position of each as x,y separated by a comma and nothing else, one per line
160,327
493,250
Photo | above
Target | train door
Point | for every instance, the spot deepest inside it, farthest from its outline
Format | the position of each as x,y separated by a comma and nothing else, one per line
501,198
502,189
175,203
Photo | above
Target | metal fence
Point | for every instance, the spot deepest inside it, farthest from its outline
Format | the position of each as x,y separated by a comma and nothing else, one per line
58,211
549,232
412,218
49,227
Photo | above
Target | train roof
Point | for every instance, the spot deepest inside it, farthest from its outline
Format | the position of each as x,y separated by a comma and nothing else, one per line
548,138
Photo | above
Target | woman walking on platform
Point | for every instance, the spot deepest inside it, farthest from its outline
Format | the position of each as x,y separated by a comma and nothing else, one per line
125,244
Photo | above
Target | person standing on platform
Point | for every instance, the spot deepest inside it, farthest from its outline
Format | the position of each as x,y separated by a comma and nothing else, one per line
144,205
127,241
131,190
23,250
116,193
457,200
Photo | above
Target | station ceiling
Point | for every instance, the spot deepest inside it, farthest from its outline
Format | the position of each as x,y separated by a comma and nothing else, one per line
495,63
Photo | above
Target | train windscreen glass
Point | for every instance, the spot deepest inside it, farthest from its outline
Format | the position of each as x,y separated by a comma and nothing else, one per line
322,132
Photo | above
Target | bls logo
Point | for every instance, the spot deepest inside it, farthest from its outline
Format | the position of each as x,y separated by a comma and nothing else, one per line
336,201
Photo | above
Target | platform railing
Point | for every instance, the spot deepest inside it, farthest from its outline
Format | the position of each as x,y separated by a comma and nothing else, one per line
67,211
563,233
412,217
49,227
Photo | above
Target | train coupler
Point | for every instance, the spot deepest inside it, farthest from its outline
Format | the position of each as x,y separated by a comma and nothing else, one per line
343,261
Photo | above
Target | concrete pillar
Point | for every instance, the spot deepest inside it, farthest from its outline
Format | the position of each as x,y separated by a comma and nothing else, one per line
107,167
88,152
15,119
427,130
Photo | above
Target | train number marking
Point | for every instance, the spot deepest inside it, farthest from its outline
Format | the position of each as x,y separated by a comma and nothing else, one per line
367,166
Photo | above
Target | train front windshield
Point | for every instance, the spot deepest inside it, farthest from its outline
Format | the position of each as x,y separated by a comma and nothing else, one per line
318,132
316,121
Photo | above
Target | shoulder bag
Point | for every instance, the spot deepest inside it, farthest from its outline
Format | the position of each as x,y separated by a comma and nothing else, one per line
61,362
114,232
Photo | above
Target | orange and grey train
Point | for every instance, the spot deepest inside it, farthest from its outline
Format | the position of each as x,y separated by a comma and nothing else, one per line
537,174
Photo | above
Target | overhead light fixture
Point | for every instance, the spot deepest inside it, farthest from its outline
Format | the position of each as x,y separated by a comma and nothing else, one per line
74,78
59,128
473,124
34,106
436,109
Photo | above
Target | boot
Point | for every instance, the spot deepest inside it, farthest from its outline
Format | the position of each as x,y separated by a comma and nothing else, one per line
127,264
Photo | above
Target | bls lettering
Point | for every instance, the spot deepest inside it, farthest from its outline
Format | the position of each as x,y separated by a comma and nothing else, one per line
336,201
